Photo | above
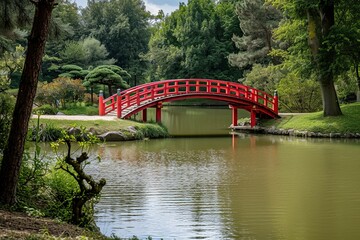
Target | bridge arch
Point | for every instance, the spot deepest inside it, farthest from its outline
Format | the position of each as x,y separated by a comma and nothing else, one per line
153,94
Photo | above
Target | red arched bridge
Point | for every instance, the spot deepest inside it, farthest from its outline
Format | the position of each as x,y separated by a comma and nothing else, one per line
133,100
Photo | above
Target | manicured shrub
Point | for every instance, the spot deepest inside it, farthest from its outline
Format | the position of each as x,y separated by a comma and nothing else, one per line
46,109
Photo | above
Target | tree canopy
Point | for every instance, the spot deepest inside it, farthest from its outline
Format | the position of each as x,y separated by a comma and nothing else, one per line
109,75
194,41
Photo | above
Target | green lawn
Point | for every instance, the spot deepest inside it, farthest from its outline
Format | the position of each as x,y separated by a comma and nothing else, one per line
100,126
349,122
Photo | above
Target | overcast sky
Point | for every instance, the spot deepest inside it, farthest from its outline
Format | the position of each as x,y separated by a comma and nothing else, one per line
151,5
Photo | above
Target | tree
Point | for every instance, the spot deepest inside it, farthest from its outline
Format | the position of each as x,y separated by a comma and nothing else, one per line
109,75
88,187
73,71
123,27
10,63
346,40
257,21
13,14
195,41
62,89
87,53
320,22
9,173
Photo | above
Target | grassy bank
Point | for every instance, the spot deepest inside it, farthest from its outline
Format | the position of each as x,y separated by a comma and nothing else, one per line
349,122
143,130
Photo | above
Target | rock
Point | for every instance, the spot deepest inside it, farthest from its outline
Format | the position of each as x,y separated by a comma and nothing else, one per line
93,131
74,131
132,129
112,136
291,132
335,135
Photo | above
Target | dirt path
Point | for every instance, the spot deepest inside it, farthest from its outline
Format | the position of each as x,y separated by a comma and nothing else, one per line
15,225
78,117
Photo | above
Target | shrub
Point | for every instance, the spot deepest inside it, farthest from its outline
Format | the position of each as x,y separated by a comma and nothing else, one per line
62,89
44,133
87,98
7,103
46,109
61,188
153,131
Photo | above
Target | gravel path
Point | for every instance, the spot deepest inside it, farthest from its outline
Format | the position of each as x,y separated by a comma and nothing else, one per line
77,117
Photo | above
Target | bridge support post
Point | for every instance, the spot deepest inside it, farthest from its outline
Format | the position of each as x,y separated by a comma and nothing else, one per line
253,117
158,112
101,104
276,102
234,115
144,115
118,104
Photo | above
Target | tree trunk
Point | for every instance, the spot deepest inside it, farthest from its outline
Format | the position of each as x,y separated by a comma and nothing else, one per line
358,82
92,95
9,173
329,98
320,22
110,90
77,205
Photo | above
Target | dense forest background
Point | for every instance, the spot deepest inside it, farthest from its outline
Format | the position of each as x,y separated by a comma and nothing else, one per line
112,44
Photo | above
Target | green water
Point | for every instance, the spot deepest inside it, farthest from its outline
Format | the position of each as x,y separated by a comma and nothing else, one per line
196,121
234,187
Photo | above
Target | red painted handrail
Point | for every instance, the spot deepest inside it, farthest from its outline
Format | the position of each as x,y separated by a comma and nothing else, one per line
133,98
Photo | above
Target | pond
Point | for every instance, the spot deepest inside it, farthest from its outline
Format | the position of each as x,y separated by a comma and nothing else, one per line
229,187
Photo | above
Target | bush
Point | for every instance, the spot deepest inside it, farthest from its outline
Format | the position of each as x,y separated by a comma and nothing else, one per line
61,189
87,98
44,133
152,131
61,90
80,109
7,103
46,109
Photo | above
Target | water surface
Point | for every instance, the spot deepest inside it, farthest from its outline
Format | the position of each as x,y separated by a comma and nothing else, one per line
241,187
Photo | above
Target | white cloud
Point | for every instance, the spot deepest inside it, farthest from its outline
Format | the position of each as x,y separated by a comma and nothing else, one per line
154,8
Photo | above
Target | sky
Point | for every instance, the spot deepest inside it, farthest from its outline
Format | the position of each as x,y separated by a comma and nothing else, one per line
151,5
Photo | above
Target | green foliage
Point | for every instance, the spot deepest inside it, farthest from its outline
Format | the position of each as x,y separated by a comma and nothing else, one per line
44,133
46,109
60,91
80,109
194,41
123,27
10,64
151,131
31,183
62,187
86,53
257,21
84,198
13,14
297,94
109,75
7,103
263,78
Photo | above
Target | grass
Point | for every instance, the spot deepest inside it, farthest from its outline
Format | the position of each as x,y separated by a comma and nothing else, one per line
145,130
77,110
100,125
349,122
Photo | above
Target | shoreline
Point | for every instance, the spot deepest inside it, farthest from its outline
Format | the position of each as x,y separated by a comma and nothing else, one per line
292,132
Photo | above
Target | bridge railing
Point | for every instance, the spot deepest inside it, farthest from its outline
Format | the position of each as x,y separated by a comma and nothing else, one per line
156,90
106,105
